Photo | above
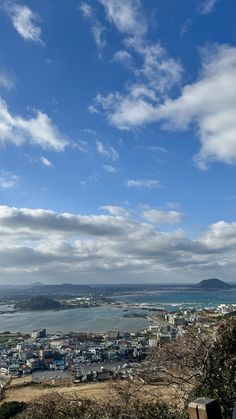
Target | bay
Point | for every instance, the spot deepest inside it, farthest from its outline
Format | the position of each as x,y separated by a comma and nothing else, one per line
94,319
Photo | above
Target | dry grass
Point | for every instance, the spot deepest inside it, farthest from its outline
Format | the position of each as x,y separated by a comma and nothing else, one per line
20,390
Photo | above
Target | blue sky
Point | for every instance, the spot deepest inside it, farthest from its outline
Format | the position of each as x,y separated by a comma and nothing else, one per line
118,140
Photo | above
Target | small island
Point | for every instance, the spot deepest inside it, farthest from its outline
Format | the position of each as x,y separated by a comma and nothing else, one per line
38,303
213,284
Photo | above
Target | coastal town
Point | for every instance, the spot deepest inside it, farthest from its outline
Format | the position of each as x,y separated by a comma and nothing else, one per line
64,359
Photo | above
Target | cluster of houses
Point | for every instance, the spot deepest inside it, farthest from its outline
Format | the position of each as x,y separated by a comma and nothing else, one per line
61,357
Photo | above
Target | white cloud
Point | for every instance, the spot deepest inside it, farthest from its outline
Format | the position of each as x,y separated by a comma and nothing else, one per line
220,235
97,28
64,223
207,6
116,211
127,111
158,149
154,76
163,217
126,15
86,10
81,145
209,104
38,243
123,57
109,168
186,26
6,79
98,32
106,151
25,22
46,162
144,183
157,75
161,71
38,130
8,180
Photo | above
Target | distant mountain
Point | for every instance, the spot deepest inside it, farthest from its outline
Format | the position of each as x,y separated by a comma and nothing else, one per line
35,284
52,290
213,284
37,303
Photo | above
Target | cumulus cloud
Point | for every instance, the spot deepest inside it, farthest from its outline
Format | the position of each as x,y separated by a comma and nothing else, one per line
46,221
163,217
220,235
38,130
144,183
106,151
209,104
25,22
41,243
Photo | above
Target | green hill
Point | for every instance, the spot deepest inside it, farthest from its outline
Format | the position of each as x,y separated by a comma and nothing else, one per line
37,303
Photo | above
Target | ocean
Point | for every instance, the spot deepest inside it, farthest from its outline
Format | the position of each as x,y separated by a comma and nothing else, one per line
169,298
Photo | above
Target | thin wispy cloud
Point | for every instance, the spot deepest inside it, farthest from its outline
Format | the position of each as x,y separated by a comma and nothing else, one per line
97,29
126,15
25,21
8,180
144,183
110,169
7,80
157,149
86,10
123,57
207,6
106,151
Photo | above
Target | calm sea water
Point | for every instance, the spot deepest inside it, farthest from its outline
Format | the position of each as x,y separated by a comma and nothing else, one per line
99,319
168,299
96,319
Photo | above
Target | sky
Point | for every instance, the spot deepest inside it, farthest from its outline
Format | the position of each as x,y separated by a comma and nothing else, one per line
117,141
